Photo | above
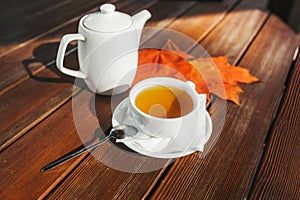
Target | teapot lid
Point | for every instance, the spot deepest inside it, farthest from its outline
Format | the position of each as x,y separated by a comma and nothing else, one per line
107,20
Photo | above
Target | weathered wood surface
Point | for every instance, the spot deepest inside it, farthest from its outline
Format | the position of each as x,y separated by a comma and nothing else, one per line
21,162
22,21
236,32
37,107
246,127
131,191
43,108
278,175
49,87
40,52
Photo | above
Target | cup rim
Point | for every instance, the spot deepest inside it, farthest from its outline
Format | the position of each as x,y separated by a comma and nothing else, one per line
160,81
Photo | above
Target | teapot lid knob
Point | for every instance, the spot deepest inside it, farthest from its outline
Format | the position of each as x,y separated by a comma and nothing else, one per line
107,20
107,8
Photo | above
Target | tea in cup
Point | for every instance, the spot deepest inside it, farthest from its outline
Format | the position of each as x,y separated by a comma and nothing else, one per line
164,101
162,107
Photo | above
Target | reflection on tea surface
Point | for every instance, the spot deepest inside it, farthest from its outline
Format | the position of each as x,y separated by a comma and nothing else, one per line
164,102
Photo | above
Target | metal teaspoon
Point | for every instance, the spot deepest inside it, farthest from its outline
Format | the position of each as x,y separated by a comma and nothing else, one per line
118,132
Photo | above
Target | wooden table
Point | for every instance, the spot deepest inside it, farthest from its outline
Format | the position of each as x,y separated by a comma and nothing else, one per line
254,155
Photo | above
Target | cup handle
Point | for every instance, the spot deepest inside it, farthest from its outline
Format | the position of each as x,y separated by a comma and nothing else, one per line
191,84
61,54
209,124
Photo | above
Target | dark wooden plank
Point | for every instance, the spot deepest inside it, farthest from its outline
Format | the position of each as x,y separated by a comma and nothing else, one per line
79,184
198,22
237,31
278,175
202,18
228,169
49,87
24,147
21,162
57,135
25,179
21,21
118,173
40,52
32,101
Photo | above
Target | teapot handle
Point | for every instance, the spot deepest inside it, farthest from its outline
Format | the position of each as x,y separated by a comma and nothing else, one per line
61,54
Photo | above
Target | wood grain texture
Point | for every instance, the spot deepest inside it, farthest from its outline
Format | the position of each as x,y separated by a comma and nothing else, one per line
40,52
80,184
235,26
203,16
228,170
278,177
42,105
34,100
56,136
22,21
201,19
53,122
21,162
49,87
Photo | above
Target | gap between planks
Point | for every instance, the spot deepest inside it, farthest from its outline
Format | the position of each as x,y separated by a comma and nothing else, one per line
22,44
63,176
259,27
275,117
49,32
158,180
158,177
53,109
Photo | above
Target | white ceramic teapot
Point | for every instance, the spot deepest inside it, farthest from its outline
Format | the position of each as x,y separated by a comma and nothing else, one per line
108,44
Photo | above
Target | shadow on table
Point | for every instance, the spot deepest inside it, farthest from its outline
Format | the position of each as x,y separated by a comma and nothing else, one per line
45,57
102,107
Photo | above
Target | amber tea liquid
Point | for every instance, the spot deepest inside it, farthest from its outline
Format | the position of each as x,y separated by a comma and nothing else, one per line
164,102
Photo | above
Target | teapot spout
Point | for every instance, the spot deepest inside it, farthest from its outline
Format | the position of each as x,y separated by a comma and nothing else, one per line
140,18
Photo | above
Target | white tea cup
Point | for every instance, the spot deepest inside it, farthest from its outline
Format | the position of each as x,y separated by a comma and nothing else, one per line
164,127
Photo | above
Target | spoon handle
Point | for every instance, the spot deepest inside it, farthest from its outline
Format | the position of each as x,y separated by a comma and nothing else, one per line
72,155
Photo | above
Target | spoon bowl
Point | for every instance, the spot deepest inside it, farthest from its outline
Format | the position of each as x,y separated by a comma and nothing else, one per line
123,130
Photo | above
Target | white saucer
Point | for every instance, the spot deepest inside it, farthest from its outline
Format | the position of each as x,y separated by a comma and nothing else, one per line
118,116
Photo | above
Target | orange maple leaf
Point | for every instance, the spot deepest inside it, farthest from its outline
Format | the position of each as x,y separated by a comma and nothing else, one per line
222,78
163,63
210,75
